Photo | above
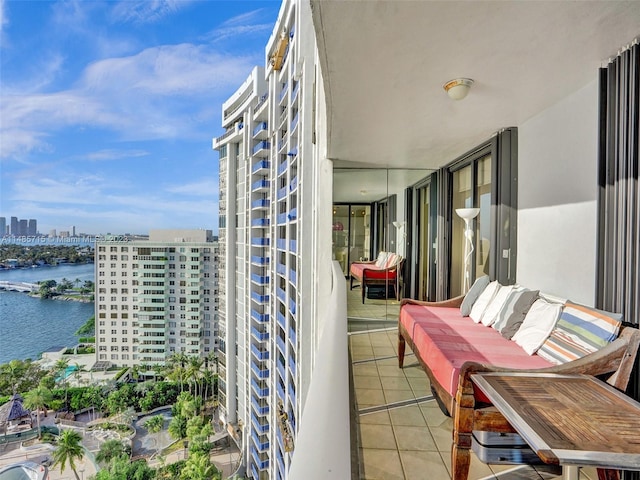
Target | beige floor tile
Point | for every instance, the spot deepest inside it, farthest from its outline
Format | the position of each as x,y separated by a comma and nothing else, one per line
414,438
442,436
393,361
365,350
367,382
365,369
420,386
414,370
395,383
384,351
393,396
366,397
377,436
434,416
390,371
381,465
410,415
423,465
376,418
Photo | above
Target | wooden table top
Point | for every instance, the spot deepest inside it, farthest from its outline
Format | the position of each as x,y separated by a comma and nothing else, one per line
568,419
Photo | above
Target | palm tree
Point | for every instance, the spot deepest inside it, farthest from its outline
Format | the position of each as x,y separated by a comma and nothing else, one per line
178,362
199,467
37,399
60,367
69,449
194,373
112,449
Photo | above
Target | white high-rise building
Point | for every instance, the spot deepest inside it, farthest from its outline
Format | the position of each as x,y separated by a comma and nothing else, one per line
271,299
156,297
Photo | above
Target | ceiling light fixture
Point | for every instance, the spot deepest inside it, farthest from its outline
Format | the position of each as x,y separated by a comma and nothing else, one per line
458,88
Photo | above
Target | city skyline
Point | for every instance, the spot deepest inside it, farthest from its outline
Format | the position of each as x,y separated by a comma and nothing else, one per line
109,117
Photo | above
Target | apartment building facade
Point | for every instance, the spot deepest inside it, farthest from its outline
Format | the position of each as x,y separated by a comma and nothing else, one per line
155,298
269,178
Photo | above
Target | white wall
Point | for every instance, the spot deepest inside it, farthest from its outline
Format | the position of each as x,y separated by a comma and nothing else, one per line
557,192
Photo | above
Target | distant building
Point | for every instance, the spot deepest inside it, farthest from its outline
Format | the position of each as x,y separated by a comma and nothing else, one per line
53,233
15,229
64,233
3,226
156,297
23,227
32,228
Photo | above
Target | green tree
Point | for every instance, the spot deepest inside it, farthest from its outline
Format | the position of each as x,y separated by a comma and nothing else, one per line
121,468
46,287
60,367
37,399
199,467
154,424
68,451
178,427
112,449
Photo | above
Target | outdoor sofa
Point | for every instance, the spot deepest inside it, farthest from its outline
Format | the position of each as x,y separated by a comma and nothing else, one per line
451,346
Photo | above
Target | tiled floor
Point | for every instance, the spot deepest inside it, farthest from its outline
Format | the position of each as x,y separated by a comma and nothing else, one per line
400,431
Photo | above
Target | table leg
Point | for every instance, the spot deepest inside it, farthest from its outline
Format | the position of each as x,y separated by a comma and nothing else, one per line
570,472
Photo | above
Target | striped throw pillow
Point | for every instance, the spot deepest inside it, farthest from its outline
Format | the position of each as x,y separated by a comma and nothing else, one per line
580,331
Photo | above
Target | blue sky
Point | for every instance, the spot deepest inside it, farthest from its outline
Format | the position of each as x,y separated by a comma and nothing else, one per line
108,108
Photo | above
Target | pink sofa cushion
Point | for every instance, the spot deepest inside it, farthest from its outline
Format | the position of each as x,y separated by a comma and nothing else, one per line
446,340
374,272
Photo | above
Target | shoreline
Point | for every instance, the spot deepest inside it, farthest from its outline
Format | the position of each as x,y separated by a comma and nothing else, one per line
66,298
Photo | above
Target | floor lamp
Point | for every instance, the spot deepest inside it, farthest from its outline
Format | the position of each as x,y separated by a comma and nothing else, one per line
467,214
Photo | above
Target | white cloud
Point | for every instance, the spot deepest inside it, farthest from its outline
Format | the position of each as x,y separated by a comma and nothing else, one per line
111,154
4,20
146,11
157,93
204,187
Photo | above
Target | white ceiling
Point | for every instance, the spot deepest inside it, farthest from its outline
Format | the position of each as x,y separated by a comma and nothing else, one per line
384,64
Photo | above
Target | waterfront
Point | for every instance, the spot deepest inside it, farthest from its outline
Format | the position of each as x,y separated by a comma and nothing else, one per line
29,326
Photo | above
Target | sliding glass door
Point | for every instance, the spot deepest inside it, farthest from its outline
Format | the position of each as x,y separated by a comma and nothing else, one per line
351,236
471,188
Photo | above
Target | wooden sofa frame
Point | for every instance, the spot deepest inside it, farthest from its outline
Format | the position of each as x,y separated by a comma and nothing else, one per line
615,362
366,281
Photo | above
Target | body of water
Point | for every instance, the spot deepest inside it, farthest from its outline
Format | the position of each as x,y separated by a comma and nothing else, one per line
29,326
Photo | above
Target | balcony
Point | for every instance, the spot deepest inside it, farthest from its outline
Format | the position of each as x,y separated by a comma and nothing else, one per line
281,269
282,193
262,392
283,93
260,204
260,130
281,346
260,241
282,167
261,373
282,322
261,428
259,335
260,186
281,219
259,317
260,222
260,279
259,298
258,260
261,167
261,445
261,408
261,148
260,354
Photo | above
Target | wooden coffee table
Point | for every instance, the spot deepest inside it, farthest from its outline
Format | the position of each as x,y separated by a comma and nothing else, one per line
569,420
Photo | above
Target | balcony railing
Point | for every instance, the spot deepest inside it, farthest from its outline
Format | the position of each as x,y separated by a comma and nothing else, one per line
330,456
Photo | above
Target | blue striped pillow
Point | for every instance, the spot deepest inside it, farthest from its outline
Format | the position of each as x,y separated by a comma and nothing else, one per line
580,331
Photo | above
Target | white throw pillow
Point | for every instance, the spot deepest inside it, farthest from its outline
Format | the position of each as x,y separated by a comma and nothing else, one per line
497,303
537,326
483,301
